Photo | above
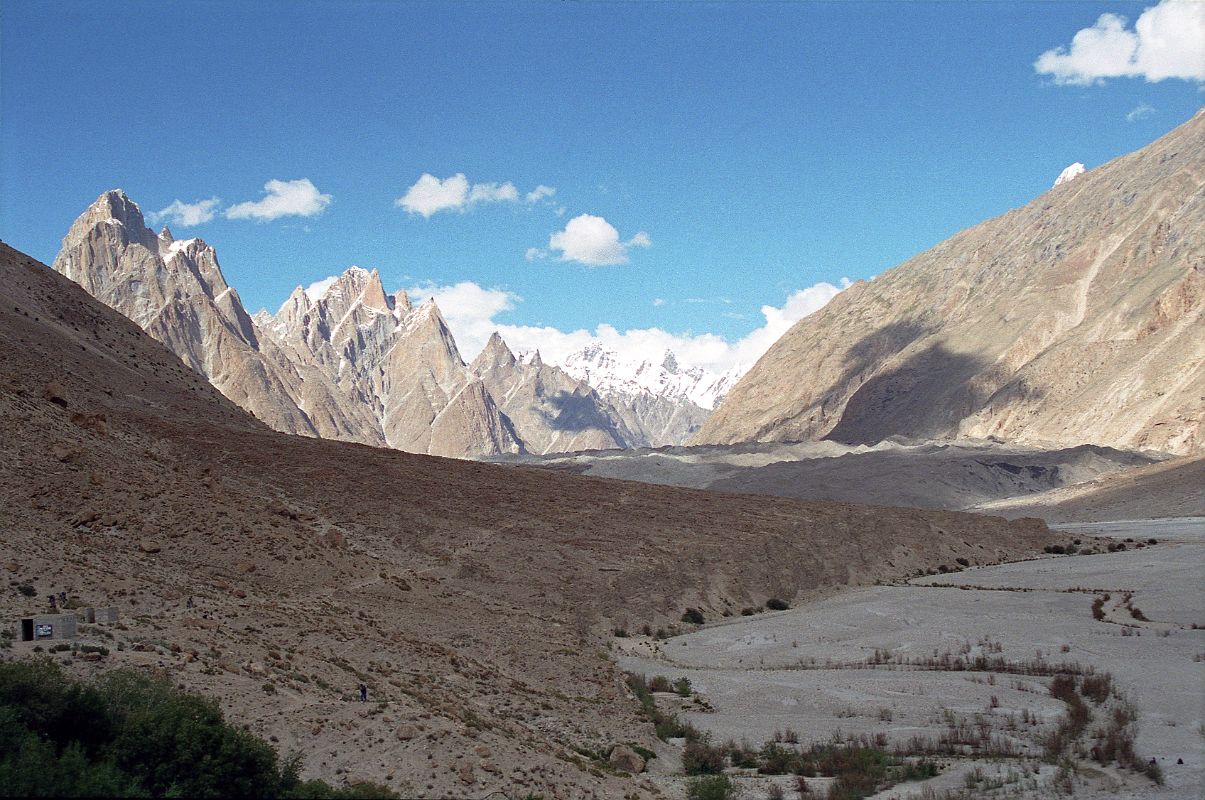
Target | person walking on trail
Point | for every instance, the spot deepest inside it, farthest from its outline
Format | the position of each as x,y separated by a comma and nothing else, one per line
363,693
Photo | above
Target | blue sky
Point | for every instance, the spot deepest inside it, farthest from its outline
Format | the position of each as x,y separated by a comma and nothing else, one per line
741,153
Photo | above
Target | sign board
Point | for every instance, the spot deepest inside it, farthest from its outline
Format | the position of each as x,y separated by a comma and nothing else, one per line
43,631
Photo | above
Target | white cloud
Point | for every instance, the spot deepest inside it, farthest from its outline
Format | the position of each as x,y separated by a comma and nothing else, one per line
185,215
470,311
298,198
593,241
493,193
1167,41
1140,111
318,288
534,253
429,195
539,193
658,301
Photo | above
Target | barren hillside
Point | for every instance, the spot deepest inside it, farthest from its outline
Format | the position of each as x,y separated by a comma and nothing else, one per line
1076,319
473,599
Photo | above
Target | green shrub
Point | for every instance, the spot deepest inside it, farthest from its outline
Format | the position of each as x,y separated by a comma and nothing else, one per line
775,604
642,751
126,734
682,687
693,616
714,787
27,590
701,758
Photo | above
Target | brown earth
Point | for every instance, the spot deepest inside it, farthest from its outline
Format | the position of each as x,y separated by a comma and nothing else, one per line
474,600
1168,489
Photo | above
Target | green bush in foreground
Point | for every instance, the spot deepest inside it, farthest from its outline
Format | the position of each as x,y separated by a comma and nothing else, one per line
126,734
714,787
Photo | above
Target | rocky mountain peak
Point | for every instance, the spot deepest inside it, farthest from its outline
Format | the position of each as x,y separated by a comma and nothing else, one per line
670,362
495,355
373,294
165,235
117,213
401,303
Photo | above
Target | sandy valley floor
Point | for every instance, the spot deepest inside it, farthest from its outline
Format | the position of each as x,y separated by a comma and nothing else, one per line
804,669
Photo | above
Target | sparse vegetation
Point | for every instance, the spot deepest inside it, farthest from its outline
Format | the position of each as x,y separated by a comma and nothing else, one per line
712,787
667,725
700,757
693,616
775,604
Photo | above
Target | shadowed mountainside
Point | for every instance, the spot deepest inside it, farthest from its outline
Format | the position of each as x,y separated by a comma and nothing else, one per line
1075,319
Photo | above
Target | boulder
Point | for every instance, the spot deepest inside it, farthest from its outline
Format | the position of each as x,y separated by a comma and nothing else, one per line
625,758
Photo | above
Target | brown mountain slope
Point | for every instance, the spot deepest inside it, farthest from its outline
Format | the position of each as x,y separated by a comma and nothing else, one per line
1173,488
472,599
1076,319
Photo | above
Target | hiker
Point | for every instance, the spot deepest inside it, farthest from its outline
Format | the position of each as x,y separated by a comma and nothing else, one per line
190,603
363,693
53,607
62,598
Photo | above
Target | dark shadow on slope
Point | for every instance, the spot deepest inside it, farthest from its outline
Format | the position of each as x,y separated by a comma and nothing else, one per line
574,413
923,398
872,350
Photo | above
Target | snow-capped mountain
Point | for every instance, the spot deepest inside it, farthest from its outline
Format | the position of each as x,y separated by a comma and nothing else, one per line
609,372
1070,173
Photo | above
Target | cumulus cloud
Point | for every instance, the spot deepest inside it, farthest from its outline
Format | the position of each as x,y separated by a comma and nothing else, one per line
429,195
185,215
1167,41
470,311
593,241
318,288
539,193
1140,111
298,198
493,193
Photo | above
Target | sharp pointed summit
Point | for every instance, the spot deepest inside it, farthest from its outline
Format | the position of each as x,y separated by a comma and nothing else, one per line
496,354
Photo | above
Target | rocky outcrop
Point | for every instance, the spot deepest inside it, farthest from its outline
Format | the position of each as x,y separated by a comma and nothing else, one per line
1076,319
551,411
175,291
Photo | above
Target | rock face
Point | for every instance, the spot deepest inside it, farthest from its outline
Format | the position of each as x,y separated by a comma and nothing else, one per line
174,290
550,411
1076,319
352,362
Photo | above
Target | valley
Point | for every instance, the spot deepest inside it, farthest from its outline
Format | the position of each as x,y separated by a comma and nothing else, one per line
897,663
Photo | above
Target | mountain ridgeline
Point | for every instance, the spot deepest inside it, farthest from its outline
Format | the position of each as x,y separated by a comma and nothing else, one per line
353,362
1079,318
